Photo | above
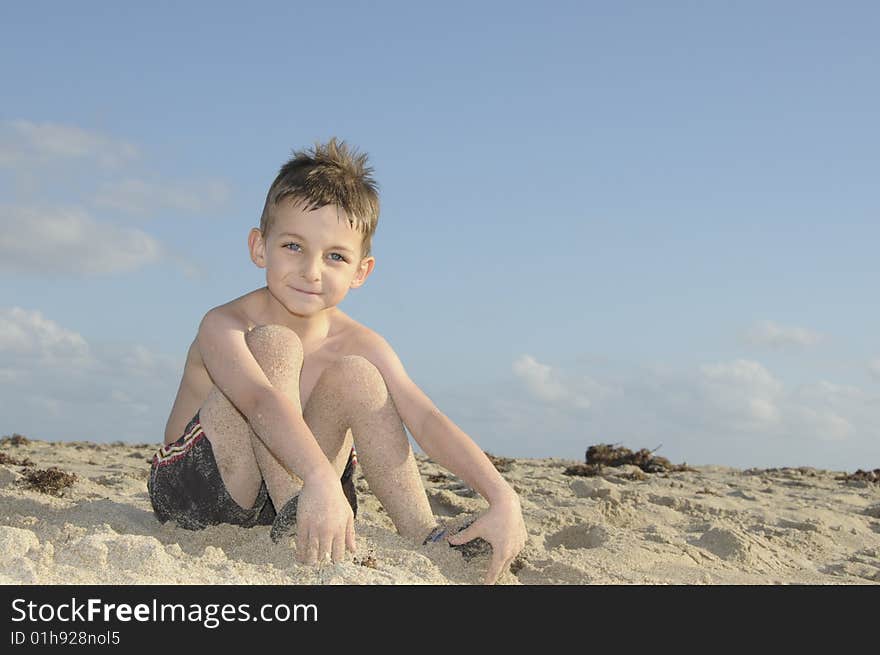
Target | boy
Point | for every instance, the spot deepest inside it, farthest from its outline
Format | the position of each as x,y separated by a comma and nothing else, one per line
280,386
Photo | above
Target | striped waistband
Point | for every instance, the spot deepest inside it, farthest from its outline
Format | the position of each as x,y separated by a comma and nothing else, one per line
174,451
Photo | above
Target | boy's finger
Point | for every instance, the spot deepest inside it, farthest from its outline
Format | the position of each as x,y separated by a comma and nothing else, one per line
302,543
496,565
349,536
338,548
325,544
466,535
313,549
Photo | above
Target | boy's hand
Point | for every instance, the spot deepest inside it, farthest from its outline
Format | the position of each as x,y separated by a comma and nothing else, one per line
503,527
324,521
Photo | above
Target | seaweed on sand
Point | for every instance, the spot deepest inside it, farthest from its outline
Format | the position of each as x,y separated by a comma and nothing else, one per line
860,475
15,461
15,440
602,455
51,481
368,560
502,464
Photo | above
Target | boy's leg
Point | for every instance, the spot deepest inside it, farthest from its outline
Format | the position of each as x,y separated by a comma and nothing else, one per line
352,394
242,458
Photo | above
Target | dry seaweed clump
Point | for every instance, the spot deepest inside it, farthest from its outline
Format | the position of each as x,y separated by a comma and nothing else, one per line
502,464
786,471
635,474
860,475
15,440
368,560
603,455
587,470
51,481
15,461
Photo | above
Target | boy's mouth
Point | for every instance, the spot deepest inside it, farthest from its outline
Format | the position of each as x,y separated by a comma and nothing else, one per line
309,293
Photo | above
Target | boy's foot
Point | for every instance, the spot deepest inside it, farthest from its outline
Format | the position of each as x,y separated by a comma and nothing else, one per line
284,520
468,550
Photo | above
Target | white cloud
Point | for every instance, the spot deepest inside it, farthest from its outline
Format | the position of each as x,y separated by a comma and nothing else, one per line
742,372
743,397
118,396
768,333
140,197
28,337
539,378
70,241
741,390
827,389
8,375
822,424
139,360
832,412
736,413
26,142
62,238
50,407
546,384
30,342
874,367
56,385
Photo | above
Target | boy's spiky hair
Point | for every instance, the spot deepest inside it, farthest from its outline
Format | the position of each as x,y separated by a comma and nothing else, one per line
330,173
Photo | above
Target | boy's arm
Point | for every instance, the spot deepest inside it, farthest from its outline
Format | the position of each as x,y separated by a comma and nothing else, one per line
272,415
279,424
441,439
446,444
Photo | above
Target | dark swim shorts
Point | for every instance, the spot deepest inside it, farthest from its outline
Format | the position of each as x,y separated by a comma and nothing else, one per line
185,486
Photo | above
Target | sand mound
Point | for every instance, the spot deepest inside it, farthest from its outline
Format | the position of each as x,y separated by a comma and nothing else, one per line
702,525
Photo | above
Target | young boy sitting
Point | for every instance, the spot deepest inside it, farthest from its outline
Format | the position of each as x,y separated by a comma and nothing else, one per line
280,386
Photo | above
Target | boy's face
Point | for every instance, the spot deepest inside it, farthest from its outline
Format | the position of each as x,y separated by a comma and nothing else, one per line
312,258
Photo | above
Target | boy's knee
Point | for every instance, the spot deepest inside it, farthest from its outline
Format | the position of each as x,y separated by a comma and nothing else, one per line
358,369
360,380
274,343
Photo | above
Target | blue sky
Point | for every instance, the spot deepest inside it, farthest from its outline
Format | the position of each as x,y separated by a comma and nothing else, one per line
601,222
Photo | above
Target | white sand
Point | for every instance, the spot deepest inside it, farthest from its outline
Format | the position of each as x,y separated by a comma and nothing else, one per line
717,525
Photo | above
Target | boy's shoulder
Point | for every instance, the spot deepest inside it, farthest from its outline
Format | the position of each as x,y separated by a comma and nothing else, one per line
375,348
365,341
243,312
347,335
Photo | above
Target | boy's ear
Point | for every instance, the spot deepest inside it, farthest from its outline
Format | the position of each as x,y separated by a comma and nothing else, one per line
364,269
257,247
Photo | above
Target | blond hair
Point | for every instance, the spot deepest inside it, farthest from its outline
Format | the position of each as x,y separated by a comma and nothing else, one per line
327,174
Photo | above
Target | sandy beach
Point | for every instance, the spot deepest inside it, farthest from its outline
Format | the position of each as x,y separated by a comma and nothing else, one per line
709,525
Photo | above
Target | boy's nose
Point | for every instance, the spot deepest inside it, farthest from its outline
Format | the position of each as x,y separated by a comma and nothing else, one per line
311,271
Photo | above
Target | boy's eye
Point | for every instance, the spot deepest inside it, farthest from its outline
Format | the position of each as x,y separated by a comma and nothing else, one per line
297,246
